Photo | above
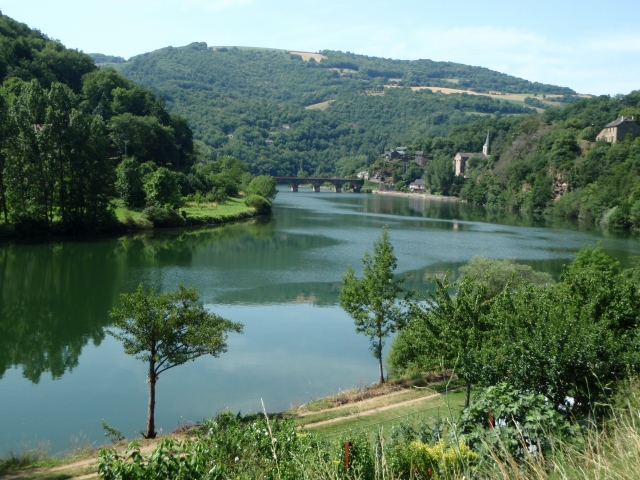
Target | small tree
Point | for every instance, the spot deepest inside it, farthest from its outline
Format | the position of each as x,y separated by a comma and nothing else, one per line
168,330
371,300
263,185
162,188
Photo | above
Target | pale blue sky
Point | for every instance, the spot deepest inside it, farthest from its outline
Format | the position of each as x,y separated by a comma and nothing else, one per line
590,46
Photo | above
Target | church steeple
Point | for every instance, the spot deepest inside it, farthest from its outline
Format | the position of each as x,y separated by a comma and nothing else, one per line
487,145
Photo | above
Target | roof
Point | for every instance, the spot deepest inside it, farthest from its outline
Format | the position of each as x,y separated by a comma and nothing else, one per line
418,182
618,121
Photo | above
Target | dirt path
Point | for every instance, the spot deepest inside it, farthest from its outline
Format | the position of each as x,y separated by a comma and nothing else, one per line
79,466
371,411
351,404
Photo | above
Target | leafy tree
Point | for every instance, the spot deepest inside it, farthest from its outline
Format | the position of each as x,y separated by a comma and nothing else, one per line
371,300
166,331
263,185
452,329
494,275
129,183
162,188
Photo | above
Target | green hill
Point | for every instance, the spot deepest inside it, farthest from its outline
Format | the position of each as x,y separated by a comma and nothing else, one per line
236,99
547,164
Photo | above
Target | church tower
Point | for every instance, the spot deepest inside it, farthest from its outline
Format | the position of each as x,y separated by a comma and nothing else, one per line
487,145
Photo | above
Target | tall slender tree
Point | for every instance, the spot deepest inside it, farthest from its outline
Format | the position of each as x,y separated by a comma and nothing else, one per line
371,300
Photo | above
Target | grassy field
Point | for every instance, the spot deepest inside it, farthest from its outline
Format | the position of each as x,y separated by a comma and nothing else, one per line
233,206
319,106
417,411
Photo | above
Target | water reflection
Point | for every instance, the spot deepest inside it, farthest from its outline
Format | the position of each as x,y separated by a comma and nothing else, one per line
278,275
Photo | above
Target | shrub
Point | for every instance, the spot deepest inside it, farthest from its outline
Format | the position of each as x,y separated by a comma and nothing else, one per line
524,423
259,203
162,188
163,217
129,183
264,186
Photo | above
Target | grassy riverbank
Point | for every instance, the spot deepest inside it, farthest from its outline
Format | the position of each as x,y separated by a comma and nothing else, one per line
609,450
192,214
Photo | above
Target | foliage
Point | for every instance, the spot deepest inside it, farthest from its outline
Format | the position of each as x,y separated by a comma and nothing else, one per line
371,300
577,337
112,433
236,99
129,185
163,217
496,274
521,423
162,189
260,204
63,125
417,459
264,186
166,331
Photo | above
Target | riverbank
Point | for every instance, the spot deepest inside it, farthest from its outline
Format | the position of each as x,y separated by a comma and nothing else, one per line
361,408
126,221
427,196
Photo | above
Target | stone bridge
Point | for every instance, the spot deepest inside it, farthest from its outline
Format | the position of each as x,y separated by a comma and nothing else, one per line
315,182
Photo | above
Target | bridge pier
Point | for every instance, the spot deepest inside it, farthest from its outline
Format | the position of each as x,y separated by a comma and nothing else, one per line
294,187
337,188
316,187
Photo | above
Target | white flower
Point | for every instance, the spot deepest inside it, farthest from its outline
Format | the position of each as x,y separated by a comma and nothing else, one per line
236,459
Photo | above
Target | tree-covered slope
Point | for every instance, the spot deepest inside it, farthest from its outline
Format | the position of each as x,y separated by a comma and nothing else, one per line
237,99
64,127
547,164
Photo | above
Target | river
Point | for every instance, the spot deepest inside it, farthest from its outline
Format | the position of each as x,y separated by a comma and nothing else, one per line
60,374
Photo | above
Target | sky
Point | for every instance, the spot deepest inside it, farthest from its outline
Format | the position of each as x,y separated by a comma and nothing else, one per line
590,46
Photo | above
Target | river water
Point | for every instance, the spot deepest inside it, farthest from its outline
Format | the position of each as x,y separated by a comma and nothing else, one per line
60,374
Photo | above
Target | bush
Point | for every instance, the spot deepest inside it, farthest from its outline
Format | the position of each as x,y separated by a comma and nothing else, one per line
525,423
129,183
261,205
162,188
163,217
263,185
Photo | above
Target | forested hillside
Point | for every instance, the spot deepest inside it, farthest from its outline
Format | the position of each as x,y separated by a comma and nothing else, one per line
547,163
237,99
65,127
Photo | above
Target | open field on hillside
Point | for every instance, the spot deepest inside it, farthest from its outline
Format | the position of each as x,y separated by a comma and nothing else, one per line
511,97
306,56
319,106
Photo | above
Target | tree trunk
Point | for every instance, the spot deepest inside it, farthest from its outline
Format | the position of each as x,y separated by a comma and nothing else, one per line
380,359
151,421
467,396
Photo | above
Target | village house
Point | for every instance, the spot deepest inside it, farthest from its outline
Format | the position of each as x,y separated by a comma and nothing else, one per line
618,129
268,141
285,127
461,158
417,186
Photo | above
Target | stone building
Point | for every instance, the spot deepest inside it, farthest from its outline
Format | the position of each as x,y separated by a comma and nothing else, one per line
618,129
461,158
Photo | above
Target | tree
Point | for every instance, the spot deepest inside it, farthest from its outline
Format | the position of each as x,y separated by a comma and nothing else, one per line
452,329
162,188
129,183
168,330
263,185
496,274
371,300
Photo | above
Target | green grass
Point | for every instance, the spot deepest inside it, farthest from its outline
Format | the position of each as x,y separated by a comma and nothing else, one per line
232,207
443,405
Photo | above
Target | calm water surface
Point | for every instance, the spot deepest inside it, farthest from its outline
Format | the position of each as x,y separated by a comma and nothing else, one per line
60,374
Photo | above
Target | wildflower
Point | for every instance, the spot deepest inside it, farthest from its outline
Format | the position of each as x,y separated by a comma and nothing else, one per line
236,459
